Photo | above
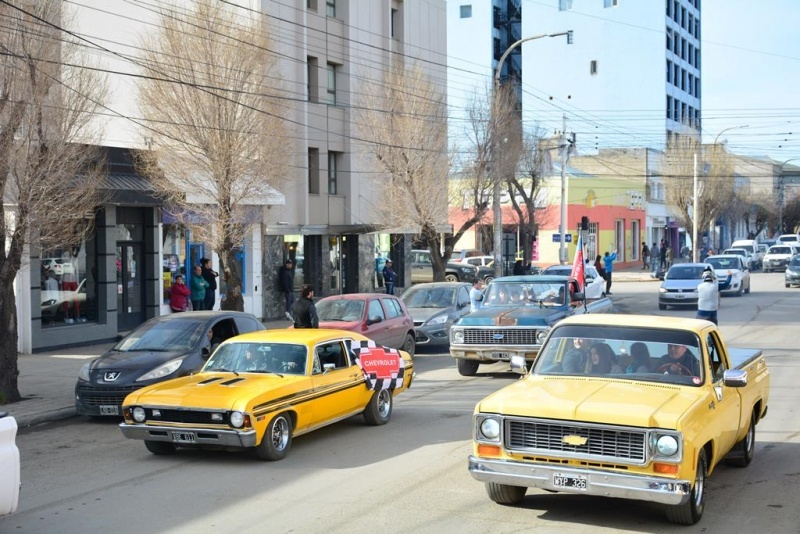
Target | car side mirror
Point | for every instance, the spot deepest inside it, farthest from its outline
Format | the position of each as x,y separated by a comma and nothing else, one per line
205,352
373,320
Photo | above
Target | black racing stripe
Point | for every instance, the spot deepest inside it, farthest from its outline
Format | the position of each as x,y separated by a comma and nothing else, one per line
302,397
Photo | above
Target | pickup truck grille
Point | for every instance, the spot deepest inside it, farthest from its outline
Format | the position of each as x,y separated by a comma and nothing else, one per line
602,443
500,336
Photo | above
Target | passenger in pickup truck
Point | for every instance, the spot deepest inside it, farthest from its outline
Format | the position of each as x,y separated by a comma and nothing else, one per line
679,360
603,360
574,361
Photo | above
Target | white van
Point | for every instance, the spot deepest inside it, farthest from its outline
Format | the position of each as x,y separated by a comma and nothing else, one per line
791,239
751,246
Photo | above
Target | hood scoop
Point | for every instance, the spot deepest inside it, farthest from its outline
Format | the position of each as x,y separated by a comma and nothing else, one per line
232,381
212,379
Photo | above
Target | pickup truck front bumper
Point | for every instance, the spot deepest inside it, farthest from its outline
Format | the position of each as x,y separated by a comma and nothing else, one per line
494,353
598,482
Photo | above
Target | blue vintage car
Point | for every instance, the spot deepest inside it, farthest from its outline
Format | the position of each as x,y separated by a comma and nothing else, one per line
515,316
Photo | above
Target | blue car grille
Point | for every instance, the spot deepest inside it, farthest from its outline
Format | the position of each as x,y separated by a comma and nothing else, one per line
500,336
548,437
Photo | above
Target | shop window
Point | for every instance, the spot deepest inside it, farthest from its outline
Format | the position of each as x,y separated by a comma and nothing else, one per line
69,285
174,256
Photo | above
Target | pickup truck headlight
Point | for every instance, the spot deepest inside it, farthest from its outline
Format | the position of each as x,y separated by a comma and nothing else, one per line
487,429
458,336
667,445
439,319
540,336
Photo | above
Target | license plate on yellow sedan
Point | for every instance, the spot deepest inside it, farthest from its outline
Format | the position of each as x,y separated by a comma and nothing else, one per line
577,482
184,437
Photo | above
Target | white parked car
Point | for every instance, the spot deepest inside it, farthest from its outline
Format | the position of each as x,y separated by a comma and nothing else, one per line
732,274
9,465
595,284
789,239
778,256
477,261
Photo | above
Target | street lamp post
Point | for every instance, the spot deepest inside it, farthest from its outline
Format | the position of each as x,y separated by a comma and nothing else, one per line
497,213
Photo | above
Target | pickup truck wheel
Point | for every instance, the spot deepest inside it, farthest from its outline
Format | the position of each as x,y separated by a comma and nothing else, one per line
662,306
160,448
691,512
502,494
379,409
450,277
409,344
745,449
467,367
277,439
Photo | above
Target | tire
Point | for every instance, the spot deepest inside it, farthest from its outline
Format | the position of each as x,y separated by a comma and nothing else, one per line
160,448
379,409
450,277
467,367
502,494
748,288
409,345
741,290
745,449
788,285
662,306
488,279
691,512
277,439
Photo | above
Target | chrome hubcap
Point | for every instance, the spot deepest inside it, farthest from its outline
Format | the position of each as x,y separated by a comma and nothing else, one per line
280,434
384,402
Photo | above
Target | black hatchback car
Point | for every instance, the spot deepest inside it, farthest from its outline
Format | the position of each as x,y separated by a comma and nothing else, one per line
164,347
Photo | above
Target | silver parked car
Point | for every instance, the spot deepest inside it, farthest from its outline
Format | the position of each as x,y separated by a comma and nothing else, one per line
778,256
434,308
792,273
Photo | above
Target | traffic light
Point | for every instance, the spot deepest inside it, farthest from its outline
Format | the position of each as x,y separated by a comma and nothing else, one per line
584,223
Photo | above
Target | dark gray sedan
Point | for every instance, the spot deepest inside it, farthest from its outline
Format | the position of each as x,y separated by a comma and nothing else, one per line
164,347
434,308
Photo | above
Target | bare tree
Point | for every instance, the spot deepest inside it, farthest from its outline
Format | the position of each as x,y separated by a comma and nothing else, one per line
404,116
715,181
50,175
219,138
525,187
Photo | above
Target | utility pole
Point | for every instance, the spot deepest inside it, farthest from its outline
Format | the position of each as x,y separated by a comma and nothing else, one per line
562,144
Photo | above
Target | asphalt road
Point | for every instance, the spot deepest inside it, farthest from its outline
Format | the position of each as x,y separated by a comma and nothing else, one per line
82,476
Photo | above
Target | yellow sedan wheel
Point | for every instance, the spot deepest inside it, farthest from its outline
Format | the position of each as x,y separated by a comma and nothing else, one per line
277,439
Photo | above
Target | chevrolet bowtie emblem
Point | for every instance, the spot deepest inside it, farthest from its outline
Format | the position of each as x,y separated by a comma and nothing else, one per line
575,441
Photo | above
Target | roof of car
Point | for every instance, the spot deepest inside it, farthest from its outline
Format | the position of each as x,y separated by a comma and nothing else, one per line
643,321
357,296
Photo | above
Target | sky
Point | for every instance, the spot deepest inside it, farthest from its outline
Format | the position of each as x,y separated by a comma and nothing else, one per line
751,76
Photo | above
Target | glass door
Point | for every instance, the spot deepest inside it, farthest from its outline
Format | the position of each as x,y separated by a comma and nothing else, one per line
130,286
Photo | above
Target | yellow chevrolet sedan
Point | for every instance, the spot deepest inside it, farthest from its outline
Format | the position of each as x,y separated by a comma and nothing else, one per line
260,390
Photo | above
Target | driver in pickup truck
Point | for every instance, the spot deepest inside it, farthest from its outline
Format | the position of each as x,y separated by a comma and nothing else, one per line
556,297
679,360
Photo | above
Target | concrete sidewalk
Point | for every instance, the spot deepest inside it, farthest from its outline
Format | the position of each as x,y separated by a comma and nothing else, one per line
47,380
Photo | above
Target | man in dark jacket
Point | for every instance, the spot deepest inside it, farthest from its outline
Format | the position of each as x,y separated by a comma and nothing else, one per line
303,311
210,276
389,277
286,286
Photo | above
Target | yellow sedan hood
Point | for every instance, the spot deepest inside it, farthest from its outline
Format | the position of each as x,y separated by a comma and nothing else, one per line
594,400
215,390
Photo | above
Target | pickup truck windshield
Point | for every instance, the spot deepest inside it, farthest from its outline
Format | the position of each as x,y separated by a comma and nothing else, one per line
653,355
524,294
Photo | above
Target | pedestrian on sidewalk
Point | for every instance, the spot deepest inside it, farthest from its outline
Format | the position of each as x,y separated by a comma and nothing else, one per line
286,286
179,295
608,263
389,277
199,286
645,255
654,259
210,276
663,254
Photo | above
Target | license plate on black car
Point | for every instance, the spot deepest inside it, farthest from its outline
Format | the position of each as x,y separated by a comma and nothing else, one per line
109,410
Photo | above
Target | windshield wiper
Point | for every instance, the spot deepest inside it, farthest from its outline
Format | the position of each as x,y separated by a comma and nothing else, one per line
266,373
222,370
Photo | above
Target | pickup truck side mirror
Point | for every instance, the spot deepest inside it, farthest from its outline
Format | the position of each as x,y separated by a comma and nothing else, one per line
735,378
579,296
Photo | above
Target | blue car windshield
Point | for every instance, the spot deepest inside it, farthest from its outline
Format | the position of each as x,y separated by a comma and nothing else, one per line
438,297
163,336
679,272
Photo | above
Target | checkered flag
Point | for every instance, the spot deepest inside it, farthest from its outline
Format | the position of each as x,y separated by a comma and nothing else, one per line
383,367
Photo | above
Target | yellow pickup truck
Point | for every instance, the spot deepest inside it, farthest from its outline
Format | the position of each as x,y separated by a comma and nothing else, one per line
636,407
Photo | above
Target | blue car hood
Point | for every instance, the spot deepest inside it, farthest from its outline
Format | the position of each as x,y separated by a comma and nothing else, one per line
519,316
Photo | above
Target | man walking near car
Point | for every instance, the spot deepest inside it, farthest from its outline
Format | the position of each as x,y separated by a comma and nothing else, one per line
304,312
